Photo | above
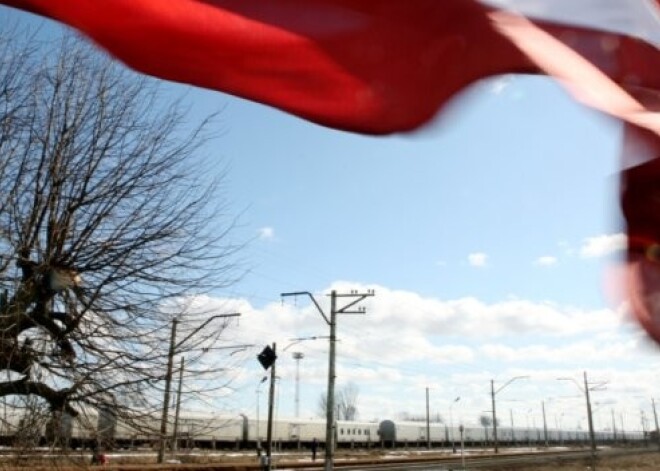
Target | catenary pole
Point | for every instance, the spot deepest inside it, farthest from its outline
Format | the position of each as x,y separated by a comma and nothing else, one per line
330,402
354,298
166,395
177,411
174,345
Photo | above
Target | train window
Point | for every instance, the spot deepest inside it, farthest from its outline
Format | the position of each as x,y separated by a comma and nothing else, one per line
341,431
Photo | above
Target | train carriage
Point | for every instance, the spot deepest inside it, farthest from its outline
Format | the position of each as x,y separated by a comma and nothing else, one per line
216,431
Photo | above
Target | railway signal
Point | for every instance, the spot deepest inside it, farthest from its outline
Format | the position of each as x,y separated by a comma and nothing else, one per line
267,357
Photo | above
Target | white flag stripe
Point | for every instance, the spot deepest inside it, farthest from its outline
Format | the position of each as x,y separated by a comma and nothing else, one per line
586,82
637,18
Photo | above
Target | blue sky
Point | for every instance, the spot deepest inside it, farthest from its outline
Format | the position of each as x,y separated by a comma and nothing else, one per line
487,237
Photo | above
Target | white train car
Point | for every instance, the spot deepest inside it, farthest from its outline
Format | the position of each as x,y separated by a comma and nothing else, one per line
217,431
307,430
208,428
360,433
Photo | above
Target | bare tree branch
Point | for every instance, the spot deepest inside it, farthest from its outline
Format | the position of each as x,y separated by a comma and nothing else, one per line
107,217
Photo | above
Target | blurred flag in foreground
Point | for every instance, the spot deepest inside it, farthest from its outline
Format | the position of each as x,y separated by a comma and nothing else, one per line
382,66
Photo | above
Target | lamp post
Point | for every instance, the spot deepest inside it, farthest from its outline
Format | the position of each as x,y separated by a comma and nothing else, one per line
263,380
461,429
493,393
174,345
298,356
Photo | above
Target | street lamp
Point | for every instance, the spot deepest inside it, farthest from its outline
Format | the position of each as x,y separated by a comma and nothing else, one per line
461,429
174,345
299,356
263,380
493,392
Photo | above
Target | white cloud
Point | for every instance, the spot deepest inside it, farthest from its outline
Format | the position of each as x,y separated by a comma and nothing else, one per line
499,84
603,245
565,354
406,342
266,233
546,261
477,259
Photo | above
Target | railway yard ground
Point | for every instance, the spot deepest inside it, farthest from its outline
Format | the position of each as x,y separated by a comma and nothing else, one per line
645,459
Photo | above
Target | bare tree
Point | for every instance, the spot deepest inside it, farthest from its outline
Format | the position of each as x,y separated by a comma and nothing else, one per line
486,420
109,223
346,400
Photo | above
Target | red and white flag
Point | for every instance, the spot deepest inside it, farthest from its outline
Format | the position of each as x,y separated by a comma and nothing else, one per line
382,66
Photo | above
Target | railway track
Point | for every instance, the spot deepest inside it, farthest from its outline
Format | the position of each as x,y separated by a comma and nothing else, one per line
429,462
482,461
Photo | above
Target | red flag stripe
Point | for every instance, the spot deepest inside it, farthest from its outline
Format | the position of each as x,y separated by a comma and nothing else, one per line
384,66
374,67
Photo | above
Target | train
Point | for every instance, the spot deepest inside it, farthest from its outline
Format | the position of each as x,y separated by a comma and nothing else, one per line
206,430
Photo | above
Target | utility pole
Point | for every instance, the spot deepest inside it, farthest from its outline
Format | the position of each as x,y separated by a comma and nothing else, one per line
592,435
428,422
175,432
166,395
451,423
174,345
493,392
353,298
271,402
545,425
590,421
655,418
492,401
